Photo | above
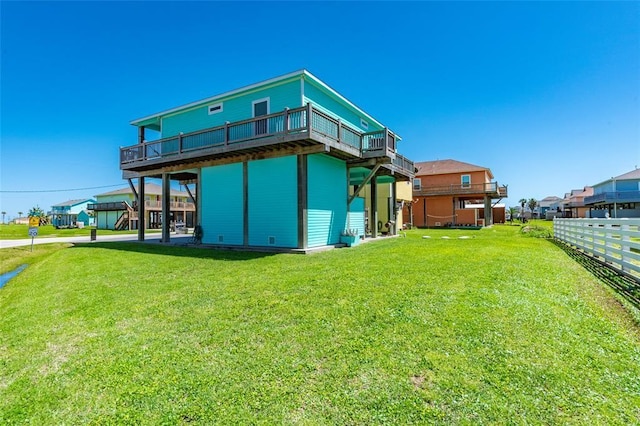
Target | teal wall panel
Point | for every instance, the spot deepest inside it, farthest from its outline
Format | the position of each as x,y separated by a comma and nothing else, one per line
335,107
235,108
327,200
222,204
356,216
273,202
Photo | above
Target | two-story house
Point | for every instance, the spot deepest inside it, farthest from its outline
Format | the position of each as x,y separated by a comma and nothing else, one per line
447,192
277,164
617,197
71,213
573,204
119,209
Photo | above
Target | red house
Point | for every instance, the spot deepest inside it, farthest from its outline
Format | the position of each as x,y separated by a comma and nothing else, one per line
447,193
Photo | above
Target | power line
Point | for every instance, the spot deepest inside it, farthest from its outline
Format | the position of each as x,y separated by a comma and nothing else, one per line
58,190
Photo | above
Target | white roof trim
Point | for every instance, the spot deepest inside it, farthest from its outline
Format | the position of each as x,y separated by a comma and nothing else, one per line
302,72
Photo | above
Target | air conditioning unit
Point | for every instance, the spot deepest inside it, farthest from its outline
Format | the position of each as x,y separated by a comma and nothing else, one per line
438,224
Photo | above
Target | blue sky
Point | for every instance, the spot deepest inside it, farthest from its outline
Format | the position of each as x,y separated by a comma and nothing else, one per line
544,94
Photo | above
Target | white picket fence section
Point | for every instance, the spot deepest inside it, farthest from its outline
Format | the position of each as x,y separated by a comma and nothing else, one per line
613,241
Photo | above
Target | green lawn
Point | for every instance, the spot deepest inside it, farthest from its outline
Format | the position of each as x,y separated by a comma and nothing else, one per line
14,232
498,328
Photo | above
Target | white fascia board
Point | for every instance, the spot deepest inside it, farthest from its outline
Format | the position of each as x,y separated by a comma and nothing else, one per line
216,97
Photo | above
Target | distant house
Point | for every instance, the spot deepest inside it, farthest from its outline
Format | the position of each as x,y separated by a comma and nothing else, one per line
21,221
573,204
71,213
281,164
445,190
617,197
549,207
118,209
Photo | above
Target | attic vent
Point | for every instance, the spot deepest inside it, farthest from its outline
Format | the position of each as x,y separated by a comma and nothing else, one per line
220,238
364,124
272,241
215,108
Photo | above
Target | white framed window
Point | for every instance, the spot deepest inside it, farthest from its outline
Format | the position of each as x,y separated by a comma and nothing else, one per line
465,181
364,124
215,108
417,184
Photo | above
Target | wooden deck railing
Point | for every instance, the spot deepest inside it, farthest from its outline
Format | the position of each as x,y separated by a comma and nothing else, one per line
112,206
474,188
288,122
615,242
123,205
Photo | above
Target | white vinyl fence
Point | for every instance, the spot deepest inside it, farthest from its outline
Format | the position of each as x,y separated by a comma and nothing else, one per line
613,241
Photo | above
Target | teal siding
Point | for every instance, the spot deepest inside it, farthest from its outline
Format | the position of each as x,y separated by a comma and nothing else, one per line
273,202
222,204
356,216
327,200
235,108
335,107
83,217
106,220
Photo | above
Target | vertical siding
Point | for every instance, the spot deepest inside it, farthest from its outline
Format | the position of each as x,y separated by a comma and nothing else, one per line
273,202
327,200
235,108
335,107
222,204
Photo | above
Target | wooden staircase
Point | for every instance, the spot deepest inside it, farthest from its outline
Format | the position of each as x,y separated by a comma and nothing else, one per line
122,223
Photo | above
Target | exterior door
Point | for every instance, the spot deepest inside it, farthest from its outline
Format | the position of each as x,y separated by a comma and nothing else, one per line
260,108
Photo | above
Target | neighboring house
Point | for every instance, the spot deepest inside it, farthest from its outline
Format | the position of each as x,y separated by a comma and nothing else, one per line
444,189
549,207
573,204
21,221
71,213
618,197
119,210
277,164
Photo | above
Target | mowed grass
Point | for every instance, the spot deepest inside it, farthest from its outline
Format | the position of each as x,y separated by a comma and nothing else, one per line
499,328
15,232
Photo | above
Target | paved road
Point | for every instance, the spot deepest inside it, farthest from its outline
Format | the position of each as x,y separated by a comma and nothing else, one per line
151,237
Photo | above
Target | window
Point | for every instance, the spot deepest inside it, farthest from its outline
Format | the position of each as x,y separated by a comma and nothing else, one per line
465,181
215,108
417,184
260,108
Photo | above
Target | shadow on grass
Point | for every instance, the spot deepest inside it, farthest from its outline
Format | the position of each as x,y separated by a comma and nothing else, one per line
622,284
181,251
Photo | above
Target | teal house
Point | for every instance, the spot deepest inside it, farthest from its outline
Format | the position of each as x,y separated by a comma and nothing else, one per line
71,213
280,164
618,197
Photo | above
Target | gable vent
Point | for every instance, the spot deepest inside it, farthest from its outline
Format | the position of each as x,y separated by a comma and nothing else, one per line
215,108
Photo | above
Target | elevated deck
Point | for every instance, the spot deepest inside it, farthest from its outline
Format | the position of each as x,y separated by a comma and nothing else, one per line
289,132
480,190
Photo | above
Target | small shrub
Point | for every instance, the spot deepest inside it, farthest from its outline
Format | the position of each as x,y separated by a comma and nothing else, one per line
536,231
